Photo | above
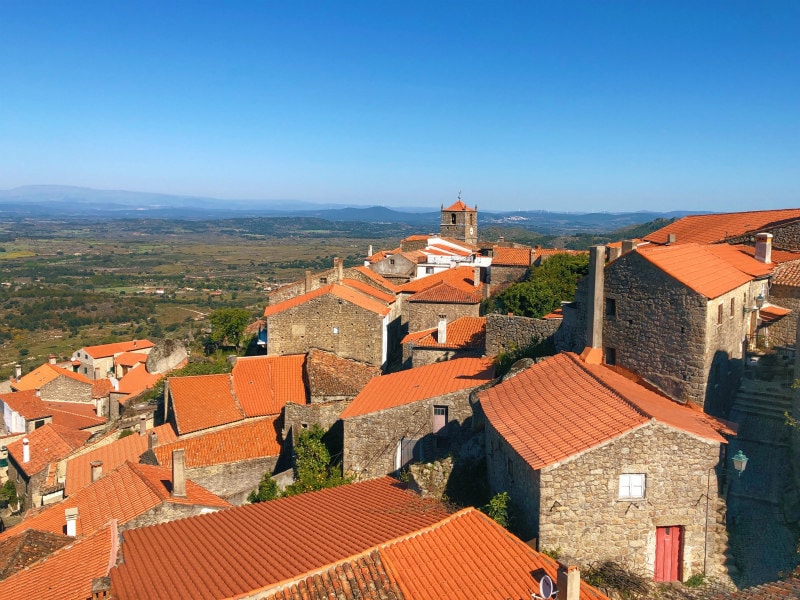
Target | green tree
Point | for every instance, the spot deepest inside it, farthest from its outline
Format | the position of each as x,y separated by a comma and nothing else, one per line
498,508
313,467
267,490
227,325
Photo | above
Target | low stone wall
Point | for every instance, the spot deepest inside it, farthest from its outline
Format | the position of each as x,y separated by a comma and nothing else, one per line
233,481
324,415
508,332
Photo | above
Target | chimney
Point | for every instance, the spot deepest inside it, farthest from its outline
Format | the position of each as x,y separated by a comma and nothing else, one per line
142,425
152,440
178,474
26,450
37,392
18,371
101,588
594,317
628,246
569,582
52,359
442,330
71,515
476,276
308,284
671,238
97,469
113,408
614,252
501,239
487,290
764,247
134,343
338,267
369,251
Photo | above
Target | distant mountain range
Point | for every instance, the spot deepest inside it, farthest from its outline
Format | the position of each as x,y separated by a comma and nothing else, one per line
70,203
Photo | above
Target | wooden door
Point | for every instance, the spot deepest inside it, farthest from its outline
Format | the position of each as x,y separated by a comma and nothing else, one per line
668,553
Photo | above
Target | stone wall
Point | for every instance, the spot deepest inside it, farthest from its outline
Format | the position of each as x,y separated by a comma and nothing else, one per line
163,513
504,333
64,389
425,315
233,481
783,332
324,415
395,268
504,275
370,441
786,237
422,356
29,489
313,325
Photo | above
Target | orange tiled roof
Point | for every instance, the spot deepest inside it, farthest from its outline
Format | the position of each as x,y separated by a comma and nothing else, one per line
27,404
331,375
511,257
557,313
47,444
106,350
787,274
123,494
420,383
67,574
417,238
775,590
345,293
367,289
449,249
770,313
377,278
128,359
45,374
203,401
445,293
715,228
777,255
251,439
740,260
263,384
458,277
19,551
138,379
75,415
562,406
79,472
463,333
101,388
249,547
698,268
459,206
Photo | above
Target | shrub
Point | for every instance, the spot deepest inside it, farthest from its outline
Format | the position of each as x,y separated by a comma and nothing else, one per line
498,508
267,490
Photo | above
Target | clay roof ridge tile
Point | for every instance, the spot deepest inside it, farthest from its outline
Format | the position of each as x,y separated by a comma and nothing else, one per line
236,402
153,487
638,409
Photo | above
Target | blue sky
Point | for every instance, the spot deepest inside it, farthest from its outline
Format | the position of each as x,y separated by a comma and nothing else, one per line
576,106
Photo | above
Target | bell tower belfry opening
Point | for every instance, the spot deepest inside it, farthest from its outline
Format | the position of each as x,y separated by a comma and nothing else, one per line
460,222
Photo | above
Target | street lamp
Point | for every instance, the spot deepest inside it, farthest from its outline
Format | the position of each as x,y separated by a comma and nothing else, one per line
740,462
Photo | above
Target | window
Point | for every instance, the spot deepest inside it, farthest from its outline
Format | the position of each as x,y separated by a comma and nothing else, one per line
323,280
440,420
733,305
611,307
335,331
610,356
453,218
391,261
631,486
428,270
719,314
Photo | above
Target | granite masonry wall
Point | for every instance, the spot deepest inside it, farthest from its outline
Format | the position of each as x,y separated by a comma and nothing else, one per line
425,315
504,275
322,414
233,481
508,332
423,356
786,237
331,324
64,389
371,440
783,332
163,513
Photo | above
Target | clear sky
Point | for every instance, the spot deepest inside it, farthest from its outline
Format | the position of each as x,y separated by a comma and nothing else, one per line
576,106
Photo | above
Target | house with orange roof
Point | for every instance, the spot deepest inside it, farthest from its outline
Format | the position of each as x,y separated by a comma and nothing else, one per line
398,266
30,458
246,548
134,495
443,300
25,411
97,362
352,319
417,414
56,384
510,263
20,550
460,338
604,467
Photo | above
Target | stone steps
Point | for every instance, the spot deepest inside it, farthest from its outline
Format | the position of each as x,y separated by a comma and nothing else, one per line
762,399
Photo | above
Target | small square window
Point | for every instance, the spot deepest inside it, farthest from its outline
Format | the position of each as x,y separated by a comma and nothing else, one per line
428,270
335,331
610,356
611,307
719,314
323,280
440,420
391,261
631,486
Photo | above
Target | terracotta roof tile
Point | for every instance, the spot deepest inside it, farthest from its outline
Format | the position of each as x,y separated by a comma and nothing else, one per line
123,494
331,375
106,350
699,268
547,252
251,439
369,290
557,313
128,359
377,278
353,296
203,401
448,250
75,415
445,293
26,404
459,277
139,379
740,260
128,448
777,255
769,313
101,388
776,590
511,257
19,551
787,274
714,228
67,574
417,238
45,374
49,443
460,243
463,333
562,406
263,384
420,383
459,205
253,546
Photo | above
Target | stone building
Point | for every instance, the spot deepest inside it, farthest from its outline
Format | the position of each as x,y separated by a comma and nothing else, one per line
442,301
781,329
603,467
97,362
510,264
509,333
418,414
351,319
25,411
460,222
56,384
461,338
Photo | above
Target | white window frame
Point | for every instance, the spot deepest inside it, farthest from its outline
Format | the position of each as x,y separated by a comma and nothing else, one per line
632,486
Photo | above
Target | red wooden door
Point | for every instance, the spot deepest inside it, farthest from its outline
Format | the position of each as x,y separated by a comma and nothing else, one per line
668,553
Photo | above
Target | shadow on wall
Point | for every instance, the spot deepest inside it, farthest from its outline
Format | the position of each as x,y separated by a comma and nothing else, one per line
722,384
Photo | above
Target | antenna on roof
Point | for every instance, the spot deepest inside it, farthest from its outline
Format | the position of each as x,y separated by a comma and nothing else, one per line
459,194
547,589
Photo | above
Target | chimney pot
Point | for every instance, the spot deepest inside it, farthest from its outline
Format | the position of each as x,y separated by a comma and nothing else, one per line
18,371
52,359
71,515
308,282
369,251
97,469
178,474
569,582
442,329
764,248
26,450
142,425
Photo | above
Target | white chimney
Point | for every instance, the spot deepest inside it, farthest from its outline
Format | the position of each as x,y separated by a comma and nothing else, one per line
26,450
476,276
569,582
671,238
442,331
178,474
71,515
52,359
764,248
369,251
592,353
142,425
18,371
37,392
97,469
